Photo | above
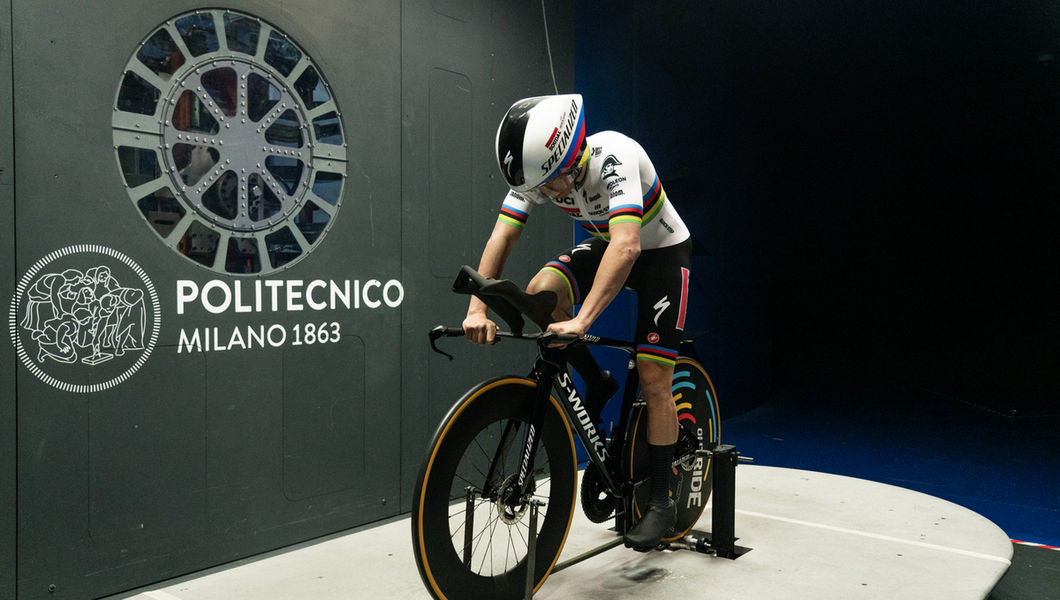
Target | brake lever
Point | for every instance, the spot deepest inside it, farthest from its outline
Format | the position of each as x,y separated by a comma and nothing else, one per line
443,331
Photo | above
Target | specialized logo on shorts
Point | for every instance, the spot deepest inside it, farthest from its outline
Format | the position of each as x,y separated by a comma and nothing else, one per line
84,318
608,168
661,307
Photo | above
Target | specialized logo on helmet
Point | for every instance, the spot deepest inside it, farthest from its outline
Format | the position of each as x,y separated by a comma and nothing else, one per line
561,138
508,163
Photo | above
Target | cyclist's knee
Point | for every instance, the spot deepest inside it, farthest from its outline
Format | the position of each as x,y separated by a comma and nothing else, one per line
546,280
656,380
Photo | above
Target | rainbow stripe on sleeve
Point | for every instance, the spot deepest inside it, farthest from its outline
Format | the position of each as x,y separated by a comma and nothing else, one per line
513,216
653,200
626,213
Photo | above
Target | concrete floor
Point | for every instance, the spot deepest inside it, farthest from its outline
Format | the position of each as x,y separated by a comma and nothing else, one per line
811,535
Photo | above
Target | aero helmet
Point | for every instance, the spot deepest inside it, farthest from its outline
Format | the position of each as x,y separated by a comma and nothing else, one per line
540,138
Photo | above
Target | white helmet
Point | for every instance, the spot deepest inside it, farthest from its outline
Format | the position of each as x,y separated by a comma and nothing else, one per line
539,138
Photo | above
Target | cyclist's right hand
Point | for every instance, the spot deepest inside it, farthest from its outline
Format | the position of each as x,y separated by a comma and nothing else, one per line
479,329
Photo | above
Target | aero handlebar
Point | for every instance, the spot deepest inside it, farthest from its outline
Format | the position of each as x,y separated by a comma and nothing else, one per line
544,338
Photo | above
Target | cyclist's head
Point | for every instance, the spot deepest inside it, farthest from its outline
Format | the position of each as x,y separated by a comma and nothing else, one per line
541,139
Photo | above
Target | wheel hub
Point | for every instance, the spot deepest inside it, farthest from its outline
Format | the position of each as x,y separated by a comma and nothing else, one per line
511,506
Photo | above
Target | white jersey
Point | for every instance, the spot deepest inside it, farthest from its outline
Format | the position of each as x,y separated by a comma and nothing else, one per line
621,186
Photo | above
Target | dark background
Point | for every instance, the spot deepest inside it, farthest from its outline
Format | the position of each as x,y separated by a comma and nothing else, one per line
873,188
873,185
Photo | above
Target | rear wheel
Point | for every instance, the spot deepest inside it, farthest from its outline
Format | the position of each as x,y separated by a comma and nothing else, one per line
698,417
470,524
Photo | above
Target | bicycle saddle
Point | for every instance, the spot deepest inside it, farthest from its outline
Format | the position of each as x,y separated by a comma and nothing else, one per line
506,299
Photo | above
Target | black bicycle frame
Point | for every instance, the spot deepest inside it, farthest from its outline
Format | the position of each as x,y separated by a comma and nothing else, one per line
551,366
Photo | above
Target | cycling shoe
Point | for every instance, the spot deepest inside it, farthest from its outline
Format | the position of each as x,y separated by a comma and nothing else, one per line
656,524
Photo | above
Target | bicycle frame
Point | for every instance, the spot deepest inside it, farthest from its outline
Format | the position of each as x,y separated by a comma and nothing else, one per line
512,304
528,424
551,366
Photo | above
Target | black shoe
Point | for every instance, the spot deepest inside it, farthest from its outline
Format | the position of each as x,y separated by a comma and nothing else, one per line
658,523
599,393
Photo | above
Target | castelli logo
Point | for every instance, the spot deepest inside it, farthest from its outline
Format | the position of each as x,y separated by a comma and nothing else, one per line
653,338
565,258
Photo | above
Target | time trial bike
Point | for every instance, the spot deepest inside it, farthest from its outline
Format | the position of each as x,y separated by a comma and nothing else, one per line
496,493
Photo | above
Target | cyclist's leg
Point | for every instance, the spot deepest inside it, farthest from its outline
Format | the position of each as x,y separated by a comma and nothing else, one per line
656,381
660,278
570,275
659,520
698,418
549,280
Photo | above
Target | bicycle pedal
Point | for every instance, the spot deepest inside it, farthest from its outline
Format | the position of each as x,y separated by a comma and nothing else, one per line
644,549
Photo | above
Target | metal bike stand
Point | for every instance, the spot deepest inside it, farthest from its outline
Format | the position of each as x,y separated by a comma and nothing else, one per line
469,523
531,550
722,541
723,513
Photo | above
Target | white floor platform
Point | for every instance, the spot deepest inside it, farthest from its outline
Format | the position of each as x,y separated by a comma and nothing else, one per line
812,536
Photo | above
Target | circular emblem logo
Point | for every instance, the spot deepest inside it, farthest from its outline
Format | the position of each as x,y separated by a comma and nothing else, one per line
230,142
84,318
564,258
653,338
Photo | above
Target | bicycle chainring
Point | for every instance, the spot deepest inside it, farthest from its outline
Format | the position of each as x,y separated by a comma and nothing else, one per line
597,502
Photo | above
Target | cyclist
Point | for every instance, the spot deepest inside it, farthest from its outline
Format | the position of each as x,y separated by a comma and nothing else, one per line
607,183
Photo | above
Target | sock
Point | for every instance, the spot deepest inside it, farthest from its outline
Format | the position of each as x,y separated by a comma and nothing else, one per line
661,458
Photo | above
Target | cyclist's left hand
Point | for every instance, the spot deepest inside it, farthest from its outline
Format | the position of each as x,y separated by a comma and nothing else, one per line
571,327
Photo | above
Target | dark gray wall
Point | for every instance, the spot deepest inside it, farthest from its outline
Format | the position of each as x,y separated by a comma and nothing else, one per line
205,457
470,61
8,400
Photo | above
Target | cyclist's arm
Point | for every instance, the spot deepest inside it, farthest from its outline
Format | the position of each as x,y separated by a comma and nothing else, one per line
622,251
478,327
